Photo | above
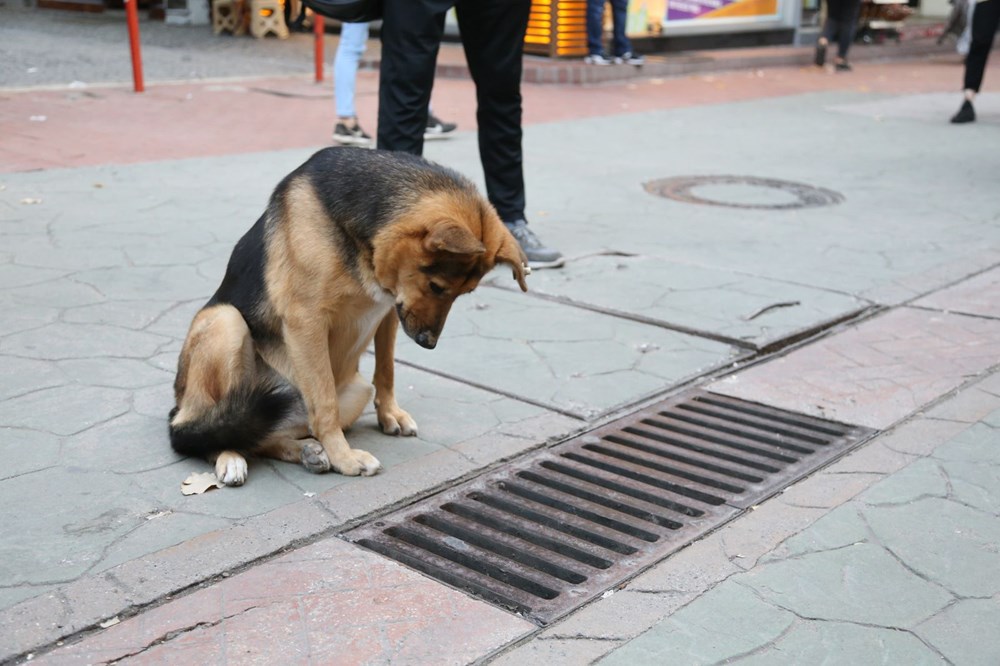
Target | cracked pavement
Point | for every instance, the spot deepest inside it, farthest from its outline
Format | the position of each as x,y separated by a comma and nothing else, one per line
888,304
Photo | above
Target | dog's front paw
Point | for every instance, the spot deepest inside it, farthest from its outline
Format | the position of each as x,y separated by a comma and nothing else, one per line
397,422
231,468
356,462
314,458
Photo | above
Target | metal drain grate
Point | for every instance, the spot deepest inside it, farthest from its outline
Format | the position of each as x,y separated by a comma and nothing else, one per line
547,533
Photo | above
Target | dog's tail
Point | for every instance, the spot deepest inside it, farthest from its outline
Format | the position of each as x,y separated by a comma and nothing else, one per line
241,421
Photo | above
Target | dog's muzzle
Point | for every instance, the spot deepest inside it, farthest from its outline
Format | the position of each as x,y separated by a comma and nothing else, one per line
425,338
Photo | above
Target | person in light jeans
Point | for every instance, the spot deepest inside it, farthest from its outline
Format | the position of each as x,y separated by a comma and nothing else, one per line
621,47
353,41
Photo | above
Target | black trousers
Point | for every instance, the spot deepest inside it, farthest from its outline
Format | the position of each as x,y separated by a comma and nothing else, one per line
493,39
841,24
985,21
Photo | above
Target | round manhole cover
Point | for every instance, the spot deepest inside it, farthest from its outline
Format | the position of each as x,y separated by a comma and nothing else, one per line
743,192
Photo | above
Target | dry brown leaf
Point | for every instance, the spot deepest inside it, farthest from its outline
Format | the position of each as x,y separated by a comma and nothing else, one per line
199,483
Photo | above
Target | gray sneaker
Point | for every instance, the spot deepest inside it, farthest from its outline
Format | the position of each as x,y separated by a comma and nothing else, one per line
538,255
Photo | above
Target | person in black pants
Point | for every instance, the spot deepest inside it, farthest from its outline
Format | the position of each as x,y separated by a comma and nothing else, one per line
985,21
493,39
841,23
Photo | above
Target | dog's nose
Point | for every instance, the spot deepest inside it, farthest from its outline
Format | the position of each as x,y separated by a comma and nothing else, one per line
426,339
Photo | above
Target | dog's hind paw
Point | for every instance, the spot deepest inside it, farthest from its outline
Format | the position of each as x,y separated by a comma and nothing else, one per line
314,458
231,468
357,463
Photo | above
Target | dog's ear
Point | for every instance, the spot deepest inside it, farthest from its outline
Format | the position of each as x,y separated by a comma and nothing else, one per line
510,253
452,238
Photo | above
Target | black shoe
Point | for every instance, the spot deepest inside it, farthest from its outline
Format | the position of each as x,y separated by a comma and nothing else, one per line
842,66
351,136
437,128
820,57
538,255
966,114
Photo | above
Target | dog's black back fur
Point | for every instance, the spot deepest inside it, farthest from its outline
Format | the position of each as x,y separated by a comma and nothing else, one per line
361,190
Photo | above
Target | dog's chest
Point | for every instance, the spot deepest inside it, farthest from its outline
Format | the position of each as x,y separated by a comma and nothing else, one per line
359,329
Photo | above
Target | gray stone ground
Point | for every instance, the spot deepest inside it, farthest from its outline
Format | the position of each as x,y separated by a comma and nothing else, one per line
99,279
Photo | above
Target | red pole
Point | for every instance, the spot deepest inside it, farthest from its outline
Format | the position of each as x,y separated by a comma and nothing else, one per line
132,17
318,32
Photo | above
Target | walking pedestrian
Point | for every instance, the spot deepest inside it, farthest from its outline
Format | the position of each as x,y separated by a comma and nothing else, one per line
841,24
985,21
493,39
347,131
621,46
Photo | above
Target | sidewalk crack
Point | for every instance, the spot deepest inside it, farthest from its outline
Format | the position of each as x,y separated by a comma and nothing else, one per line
171,635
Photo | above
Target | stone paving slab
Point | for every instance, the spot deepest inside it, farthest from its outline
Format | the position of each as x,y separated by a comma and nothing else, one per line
331,602
712,302
570,360
975,296
877,372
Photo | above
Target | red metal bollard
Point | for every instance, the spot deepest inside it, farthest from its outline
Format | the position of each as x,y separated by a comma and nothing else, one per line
318,31
132,18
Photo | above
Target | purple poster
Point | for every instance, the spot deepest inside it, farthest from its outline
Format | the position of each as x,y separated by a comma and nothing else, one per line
682,10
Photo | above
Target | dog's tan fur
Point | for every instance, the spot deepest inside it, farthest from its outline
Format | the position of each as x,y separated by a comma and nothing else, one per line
328,312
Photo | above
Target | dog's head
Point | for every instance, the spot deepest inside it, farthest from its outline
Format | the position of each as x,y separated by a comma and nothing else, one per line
440,248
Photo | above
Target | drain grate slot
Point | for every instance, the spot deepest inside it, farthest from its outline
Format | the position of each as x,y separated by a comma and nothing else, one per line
747,432
695,447
597,518
601,500
700,465
549,544
551,531
419,560
646,479
621,488
790,432
666,469
500,547
480,561
760,413
554,522
708,435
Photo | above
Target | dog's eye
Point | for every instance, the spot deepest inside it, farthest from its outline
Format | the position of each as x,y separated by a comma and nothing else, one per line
436,289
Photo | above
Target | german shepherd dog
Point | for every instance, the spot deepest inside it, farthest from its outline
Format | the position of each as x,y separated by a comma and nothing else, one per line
352,243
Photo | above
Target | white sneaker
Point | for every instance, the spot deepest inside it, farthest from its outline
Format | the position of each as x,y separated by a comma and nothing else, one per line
437,128
630,58
597,59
